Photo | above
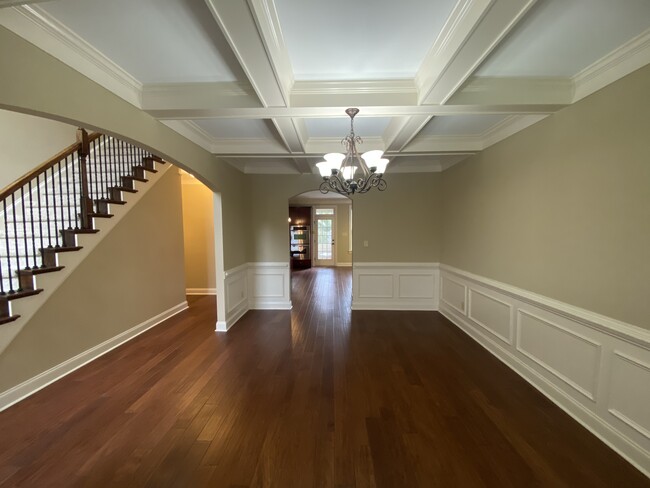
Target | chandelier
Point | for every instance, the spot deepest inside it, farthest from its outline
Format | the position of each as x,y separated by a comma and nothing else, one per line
350,173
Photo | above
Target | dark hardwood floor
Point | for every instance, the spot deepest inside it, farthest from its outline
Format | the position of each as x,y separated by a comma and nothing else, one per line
315,397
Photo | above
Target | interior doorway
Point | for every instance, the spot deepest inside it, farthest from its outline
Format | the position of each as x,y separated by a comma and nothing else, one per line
320,249
324,225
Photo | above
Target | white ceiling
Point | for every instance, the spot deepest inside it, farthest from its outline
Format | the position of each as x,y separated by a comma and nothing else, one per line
562,37
359,40
156,41
264,83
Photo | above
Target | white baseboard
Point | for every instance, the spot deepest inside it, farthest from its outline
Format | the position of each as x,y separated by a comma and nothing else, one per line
200,291
395,286
595,368
343,265
32,385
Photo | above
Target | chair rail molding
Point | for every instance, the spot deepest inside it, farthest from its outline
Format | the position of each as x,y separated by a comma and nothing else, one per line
597,369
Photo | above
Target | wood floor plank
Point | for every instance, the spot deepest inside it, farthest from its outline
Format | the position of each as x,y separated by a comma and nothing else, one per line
317,396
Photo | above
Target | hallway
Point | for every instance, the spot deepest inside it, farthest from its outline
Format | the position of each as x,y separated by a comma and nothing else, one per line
317,396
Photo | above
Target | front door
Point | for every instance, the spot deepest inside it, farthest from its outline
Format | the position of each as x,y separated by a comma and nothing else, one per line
324,232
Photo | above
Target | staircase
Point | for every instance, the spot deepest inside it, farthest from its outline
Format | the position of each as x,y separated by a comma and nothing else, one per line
42,213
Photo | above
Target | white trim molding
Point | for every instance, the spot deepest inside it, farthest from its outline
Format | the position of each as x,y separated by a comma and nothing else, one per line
200,291
395,286
627,58
255,286
32,385
595,368
269,286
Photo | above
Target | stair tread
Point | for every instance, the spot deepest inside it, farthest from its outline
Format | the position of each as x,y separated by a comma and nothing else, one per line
22,294
100,215
37,271
6,320
136,178
108,200
125,188
151,170
61,249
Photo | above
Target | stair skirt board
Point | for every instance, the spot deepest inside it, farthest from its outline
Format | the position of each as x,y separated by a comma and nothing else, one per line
20,392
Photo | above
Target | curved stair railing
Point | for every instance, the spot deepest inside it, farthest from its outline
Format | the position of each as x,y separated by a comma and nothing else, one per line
42,212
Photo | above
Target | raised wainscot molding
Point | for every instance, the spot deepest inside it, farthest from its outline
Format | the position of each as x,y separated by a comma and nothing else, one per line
395,286
40,381
236,296
269,286
595,368
255,286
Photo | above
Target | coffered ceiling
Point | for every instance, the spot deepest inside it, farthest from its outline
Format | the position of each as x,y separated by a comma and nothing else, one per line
264,83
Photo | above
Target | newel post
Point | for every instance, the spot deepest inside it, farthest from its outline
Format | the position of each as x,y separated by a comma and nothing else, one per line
86,202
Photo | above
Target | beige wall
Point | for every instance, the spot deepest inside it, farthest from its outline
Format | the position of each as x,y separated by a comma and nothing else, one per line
27,141
198,234
401,224
343,253
134,273
563,208
34,82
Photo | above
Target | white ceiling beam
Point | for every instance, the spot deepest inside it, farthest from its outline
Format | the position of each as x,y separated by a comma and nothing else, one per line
253,31
402,130
368,111
238,25
473,30
353,93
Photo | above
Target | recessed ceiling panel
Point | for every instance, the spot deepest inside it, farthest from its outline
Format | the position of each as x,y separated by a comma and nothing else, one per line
156,41
353,40
340,127
460,125
560,37
236,128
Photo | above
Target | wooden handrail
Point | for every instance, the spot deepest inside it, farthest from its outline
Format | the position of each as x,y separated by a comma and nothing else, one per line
60,156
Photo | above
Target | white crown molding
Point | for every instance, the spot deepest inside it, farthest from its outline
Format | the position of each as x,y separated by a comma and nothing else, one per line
198,95
627,58
11,3
507,127
45,32
193,132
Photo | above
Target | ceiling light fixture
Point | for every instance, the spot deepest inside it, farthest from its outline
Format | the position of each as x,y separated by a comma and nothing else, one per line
350,173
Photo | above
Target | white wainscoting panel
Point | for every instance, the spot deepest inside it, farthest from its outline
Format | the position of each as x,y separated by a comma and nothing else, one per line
236,291
595,368
494,315
629,394
395,286
453,293
269,286
573,358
